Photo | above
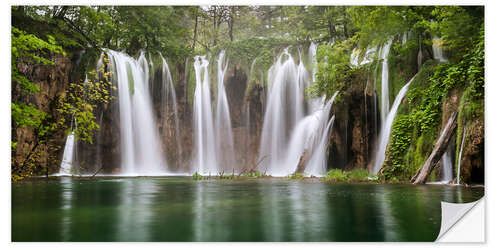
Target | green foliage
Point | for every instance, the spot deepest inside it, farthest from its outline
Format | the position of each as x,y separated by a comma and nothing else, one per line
358,174
377,24
296,176
413,134
154,28
355,175
82,99
198,177
222,176
255,175
458,27
29,50
336,175
334,69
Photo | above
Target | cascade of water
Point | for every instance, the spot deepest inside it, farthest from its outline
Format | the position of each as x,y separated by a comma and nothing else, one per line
447,164
384,107
140,146
369,55
355,57
67,161
437,51
168,89
317,163
281,112
385,133
223,128
305,139
290,130
204,148
460,155
405,38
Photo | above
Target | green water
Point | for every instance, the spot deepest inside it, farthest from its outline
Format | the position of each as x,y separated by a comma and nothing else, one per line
180,209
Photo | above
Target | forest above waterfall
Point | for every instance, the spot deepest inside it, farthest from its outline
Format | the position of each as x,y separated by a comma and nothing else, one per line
382,83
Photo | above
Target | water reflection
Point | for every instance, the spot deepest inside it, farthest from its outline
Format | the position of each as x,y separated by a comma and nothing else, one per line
66,198
179,209
389,225
134,210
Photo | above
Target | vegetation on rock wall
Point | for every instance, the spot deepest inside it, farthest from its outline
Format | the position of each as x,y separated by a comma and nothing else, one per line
253,37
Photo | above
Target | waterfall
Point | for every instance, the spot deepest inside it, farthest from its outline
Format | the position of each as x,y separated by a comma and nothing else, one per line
204,141
67,161
447,169
317,164
460,155
354,57
293,126
385,133
437,51
281,113
224,132
367,58
384,107
369,54
140,144
168,89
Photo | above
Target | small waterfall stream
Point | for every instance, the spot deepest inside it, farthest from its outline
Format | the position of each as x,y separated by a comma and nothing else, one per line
447,174
67,160
460,154
385,103
386,128
437,51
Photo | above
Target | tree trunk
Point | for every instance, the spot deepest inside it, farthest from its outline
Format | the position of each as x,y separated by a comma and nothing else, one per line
438,151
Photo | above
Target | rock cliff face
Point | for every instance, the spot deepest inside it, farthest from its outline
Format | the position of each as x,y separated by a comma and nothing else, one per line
52,81
472,166
354,132
351,145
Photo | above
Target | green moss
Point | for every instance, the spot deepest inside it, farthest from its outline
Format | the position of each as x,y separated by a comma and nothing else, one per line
255,175
335,175
197,176
296,176
356,175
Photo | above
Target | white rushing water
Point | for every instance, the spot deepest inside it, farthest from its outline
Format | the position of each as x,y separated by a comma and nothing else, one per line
385,133
460,154
140,144
437,51
67,160
293,126
204,161
447,174
223,128
384,107
168,90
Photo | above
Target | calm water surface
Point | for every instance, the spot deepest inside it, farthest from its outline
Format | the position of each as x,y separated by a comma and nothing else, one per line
180,209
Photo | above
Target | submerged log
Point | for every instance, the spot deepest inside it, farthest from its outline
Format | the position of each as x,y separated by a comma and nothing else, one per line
438,151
